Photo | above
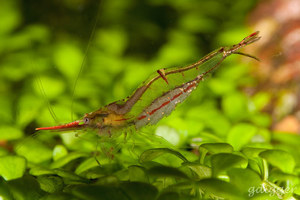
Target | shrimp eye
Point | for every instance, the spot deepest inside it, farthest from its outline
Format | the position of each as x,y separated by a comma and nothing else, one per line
86,120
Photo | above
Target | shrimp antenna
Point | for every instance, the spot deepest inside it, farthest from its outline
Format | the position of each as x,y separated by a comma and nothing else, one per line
245,54
84,58
40,84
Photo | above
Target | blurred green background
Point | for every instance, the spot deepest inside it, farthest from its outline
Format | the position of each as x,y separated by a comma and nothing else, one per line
72,57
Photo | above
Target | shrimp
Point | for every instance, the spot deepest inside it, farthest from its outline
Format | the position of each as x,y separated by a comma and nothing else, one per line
157,96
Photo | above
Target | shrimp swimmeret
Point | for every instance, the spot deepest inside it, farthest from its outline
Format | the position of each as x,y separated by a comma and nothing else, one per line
157,96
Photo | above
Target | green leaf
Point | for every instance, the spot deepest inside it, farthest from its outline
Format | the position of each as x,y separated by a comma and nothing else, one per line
240,135
290,139
69,175
261,119
12,167
108,180
38,171
33,150
107,169
290,179
28,109
98,192
218,188
201,170
67,58
11,17
215,148
256,164
10,133
3,151
4,190
137,173
67,158
252,152
279,158
221,86
59,151
51,184
86,165
239,110
163,171
224,161
261,99
238,176
168,133
151,154
138,190
25,188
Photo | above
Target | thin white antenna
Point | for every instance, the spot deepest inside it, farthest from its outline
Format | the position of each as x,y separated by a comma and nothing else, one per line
40,84
84,59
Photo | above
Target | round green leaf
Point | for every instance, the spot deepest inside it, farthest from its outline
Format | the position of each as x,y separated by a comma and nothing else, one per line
239,110
241,134
201,170
12,167
59,151
10,133
33,150
279,158
224,161
137,173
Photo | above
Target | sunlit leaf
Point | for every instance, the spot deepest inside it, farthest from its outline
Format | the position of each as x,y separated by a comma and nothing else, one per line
59,151
86,165
67,158
201,170
240,135
280,159
68,58
215,148
12,167
10,133
239,110
34,150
